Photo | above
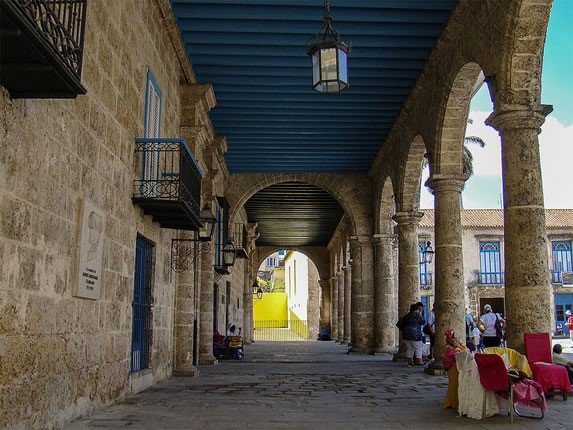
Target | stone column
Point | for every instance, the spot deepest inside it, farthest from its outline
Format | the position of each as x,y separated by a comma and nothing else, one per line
334,307
449,299
362,293
325,305
408,265
247,308
206,309
347,304
527,277
184,324
313,307
385,316
340,276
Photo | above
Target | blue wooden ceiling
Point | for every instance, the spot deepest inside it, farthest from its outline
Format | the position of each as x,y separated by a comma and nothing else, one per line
253,52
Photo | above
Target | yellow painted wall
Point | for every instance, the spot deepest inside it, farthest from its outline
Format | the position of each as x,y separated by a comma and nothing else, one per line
271,307
298,326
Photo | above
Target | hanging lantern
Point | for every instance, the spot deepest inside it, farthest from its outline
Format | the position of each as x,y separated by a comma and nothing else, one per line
208,220
229,254
328,52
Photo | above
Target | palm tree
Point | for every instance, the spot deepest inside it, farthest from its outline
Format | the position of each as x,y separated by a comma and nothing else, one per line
467,157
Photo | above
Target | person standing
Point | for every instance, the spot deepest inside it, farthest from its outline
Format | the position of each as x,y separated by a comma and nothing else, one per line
569,323
412,334
431,331
469,321
490,321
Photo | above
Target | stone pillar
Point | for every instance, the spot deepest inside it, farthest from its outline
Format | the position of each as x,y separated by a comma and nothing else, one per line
527,278
334,307
247,308
313,307
408,265
449,299
385,316
184,324
347,304
340,276
325,305
362,293
206,310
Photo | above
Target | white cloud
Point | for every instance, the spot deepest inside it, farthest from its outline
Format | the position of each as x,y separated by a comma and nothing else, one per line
556,150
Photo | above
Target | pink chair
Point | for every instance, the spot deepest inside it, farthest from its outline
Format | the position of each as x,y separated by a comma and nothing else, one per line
494,376
550,376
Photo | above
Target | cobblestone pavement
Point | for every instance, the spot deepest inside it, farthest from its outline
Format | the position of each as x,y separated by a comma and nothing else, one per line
305,385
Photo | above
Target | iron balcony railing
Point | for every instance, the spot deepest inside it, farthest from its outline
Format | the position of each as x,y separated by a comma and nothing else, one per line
240,240
169,187
491,278
34,33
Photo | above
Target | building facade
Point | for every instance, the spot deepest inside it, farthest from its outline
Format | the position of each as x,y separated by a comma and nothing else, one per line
483,262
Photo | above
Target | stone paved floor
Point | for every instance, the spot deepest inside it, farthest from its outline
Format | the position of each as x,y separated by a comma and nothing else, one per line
305,385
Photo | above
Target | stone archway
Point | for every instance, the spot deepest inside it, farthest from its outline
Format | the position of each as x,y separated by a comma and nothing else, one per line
352,191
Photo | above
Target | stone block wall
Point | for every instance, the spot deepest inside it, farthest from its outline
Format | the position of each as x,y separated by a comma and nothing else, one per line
62,356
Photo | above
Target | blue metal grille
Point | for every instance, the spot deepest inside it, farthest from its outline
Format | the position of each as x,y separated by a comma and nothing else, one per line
561,259
490,263
142,305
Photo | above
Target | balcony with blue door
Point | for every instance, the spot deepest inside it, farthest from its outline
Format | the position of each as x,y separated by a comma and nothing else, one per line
169,183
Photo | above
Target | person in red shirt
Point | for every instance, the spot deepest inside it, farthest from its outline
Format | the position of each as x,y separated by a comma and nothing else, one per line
569,323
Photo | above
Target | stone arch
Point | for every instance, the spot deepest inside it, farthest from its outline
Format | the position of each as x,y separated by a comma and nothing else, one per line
352,191
515,77
318,255
385,207
447,157
408,198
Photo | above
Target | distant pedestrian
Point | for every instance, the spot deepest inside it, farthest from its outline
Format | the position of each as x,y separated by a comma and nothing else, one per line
492,322
412,324
569,323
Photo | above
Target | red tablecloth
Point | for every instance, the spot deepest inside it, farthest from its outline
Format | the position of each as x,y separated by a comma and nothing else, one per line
551,376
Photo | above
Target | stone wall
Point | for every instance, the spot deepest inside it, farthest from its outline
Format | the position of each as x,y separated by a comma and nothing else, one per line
62,356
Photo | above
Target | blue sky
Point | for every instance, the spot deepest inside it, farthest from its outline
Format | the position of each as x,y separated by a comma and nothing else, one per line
483,190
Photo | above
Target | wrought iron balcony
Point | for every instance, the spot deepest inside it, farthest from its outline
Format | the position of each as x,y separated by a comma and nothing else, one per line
41,47
491,278
240,240
169,188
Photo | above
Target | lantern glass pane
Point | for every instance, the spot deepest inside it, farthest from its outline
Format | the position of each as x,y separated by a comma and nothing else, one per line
342,66
328,64
315,68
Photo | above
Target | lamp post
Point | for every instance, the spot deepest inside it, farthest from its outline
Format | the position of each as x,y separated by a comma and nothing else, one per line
427,253
257,290
328,52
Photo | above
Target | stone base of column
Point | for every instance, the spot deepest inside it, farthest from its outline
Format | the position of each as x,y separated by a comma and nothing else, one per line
208,361
385,351
435,368
358,351
188,372
399,356
346,340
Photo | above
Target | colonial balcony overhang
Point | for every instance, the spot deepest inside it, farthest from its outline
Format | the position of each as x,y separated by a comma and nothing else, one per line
41,47
169,187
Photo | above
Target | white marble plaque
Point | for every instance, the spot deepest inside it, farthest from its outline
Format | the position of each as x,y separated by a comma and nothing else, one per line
90,251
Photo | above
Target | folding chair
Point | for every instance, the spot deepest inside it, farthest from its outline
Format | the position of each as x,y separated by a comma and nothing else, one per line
494,376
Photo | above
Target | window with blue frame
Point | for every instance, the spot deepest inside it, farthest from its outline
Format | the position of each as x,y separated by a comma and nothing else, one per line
425,273
490,263
561,259
152,123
